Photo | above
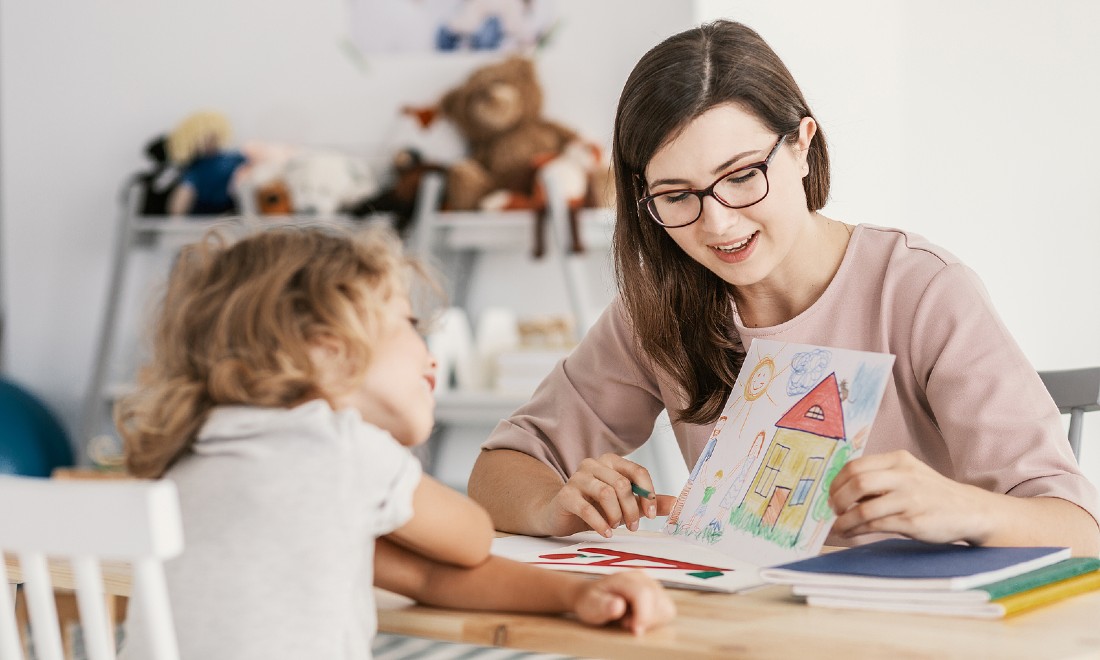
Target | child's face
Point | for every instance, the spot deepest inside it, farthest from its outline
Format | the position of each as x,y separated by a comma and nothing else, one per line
396,391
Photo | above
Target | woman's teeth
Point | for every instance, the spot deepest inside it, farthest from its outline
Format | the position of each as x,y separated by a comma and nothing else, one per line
734,247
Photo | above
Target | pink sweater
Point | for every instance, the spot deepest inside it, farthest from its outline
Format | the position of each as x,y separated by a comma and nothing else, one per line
963,398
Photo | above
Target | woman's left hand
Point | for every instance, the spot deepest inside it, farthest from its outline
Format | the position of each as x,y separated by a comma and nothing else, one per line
896,493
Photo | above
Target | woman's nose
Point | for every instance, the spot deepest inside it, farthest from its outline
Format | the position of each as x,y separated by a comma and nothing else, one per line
716,216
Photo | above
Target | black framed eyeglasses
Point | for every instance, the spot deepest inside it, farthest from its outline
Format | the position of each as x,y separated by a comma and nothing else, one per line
742,187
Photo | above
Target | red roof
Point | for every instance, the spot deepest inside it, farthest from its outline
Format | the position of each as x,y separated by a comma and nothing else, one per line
819,412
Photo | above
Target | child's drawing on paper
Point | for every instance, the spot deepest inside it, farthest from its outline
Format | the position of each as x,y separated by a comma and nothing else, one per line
663,559
777,449
674,515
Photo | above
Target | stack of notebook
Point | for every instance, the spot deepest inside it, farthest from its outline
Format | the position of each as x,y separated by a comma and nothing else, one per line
901,575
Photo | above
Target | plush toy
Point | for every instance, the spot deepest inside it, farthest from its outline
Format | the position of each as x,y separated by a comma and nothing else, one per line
156,184
199,146
498,110
326,182
399,196
273,198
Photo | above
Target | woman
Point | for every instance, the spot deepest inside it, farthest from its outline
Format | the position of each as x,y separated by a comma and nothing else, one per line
721,170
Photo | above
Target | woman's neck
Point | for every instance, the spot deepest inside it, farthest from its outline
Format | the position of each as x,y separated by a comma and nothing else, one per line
799,281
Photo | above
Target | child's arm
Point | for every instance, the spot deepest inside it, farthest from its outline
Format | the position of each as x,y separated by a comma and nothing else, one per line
633,599
446,526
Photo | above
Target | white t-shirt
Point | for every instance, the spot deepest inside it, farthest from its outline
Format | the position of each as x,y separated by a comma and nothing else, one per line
281,508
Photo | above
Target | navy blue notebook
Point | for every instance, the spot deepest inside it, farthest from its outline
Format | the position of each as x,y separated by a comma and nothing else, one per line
908,564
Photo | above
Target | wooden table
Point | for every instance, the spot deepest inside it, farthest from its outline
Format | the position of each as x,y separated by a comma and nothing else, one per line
767,623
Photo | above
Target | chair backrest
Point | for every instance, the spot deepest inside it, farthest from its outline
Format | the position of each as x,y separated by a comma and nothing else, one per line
132,521
1075,392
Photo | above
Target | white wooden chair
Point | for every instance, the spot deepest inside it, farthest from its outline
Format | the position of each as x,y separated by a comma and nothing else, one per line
132,521
1075,392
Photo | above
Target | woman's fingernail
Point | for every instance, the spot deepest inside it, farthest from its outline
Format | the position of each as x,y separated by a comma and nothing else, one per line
652,512
633,526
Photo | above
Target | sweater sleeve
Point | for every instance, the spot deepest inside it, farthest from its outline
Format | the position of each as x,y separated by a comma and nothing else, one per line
601,398
1000,426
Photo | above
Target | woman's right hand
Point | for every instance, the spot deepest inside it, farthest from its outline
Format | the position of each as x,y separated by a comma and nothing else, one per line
598,496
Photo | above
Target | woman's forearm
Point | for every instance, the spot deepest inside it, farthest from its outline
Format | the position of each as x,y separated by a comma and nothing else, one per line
514,488
1045,521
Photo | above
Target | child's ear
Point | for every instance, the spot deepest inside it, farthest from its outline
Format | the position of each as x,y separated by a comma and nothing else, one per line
329,358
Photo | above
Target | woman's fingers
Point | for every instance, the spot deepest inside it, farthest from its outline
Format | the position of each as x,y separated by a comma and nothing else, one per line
573,501
604,493
664,505
636,476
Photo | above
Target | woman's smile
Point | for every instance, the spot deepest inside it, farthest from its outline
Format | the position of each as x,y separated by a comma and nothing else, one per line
736,251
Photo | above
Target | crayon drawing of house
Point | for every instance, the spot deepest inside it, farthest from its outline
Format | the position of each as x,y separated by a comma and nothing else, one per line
779,497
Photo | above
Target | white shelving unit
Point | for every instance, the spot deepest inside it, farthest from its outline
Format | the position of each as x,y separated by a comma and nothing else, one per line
457,242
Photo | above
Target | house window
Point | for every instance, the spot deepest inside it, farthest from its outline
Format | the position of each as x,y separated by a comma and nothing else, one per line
815,412
806,482
773,463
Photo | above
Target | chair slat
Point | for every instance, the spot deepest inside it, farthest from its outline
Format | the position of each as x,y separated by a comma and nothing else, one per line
9,636
39,592
99,637
151,587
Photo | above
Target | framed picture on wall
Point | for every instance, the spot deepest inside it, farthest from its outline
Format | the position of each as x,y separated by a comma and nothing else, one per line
442,26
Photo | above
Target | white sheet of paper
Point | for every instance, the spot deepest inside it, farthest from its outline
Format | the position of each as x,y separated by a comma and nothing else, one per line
670,561
796,415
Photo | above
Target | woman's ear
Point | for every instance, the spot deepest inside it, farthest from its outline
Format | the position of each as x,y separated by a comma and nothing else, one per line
807,129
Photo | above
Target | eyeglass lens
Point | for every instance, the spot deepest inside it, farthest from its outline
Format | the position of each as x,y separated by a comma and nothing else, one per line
738,189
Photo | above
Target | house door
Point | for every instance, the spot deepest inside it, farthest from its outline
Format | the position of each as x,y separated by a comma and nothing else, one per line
779,498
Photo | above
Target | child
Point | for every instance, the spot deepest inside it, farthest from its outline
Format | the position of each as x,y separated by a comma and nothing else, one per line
286,382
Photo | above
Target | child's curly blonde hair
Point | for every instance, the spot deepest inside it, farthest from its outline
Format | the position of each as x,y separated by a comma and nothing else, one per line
236,324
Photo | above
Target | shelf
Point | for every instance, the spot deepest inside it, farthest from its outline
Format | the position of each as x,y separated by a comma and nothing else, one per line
488,230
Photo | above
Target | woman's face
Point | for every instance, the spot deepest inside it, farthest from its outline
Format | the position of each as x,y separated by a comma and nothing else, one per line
742,246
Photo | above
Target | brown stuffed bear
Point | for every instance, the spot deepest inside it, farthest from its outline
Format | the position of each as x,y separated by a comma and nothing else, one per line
498,110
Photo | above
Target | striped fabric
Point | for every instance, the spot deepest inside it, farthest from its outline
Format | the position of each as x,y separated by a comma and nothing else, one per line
399,647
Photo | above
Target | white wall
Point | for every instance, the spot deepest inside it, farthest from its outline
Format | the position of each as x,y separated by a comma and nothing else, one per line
970,123
86,85
967,124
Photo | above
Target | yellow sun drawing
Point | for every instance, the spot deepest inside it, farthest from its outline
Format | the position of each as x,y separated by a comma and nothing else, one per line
761,377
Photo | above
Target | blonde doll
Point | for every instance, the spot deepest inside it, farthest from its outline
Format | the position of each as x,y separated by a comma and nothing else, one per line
286,383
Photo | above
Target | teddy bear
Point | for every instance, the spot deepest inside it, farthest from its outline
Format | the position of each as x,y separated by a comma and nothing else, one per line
498,111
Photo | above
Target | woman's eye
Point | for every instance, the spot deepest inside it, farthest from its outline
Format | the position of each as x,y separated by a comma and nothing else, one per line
675,198
414,322
740,177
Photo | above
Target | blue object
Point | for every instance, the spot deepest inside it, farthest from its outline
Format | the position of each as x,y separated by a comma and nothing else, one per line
211,176
488,36
32,442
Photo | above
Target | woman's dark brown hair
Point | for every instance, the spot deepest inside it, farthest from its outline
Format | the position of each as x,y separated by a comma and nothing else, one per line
680,311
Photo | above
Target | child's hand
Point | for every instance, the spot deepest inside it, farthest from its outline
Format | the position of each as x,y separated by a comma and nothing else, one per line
632,598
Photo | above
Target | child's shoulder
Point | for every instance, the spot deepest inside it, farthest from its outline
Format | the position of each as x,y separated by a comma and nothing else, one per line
310,427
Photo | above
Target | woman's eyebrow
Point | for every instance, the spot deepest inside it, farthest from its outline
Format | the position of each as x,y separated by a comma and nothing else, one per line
725,167
721,169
